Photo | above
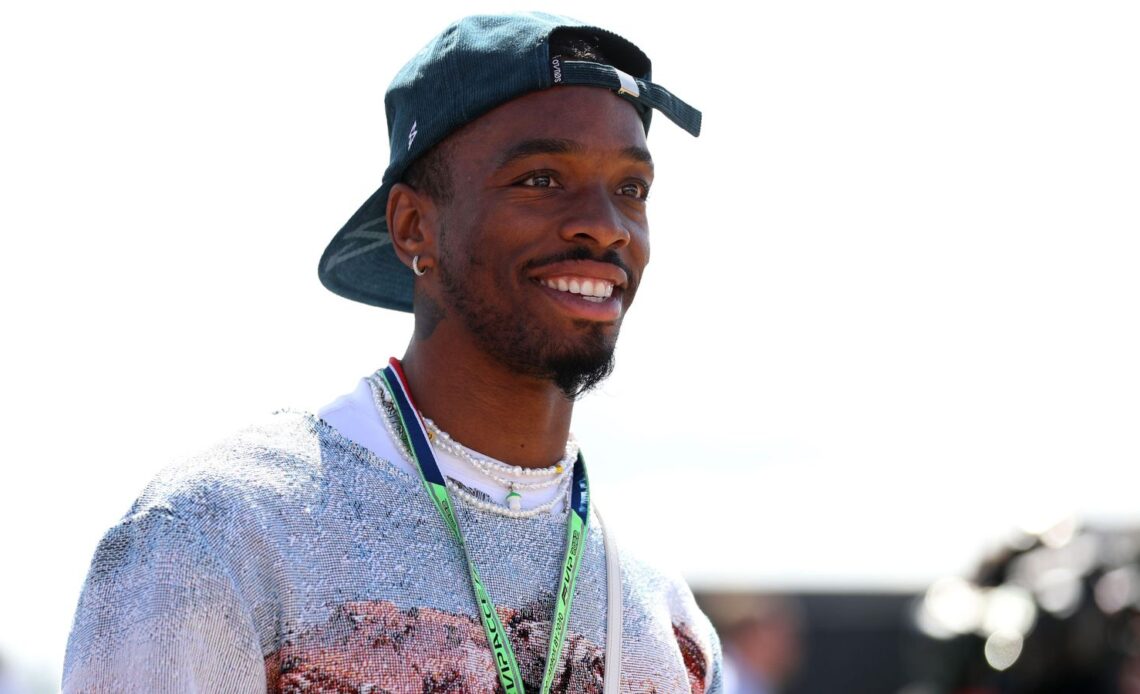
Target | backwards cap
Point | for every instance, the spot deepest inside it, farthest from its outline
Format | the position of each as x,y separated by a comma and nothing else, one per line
475,65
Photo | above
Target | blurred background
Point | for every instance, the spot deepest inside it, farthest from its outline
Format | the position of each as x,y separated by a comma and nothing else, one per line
878,397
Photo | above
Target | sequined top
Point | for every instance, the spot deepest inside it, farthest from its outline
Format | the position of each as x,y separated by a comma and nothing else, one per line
289,559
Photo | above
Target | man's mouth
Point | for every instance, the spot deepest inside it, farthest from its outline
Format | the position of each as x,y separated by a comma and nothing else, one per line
590,289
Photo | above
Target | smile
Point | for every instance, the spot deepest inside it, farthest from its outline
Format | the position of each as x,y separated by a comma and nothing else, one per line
589,288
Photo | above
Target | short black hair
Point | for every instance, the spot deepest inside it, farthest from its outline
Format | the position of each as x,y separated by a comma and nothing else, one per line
430,174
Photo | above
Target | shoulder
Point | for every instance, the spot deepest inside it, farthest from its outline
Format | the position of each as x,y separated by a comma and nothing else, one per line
281,458
250,495
188,510
176,589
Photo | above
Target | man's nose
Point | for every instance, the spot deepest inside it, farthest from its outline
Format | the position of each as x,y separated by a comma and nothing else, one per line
596,217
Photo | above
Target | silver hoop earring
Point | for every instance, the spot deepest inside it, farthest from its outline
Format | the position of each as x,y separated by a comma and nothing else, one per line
420,272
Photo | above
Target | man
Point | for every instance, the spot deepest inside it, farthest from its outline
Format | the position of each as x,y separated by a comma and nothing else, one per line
369,550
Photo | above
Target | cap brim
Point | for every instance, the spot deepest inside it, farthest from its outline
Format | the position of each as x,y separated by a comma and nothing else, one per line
360,262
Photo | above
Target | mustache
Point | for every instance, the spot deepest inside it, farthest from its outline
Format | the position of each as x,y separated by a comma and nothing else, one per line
580,253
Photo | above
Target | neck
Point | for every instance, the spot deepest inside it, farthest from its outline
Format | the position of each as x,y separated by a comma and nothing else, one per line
482,404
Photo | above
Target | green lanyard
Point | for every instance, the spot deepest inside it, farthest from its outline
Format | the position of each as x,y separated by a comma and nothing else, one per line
417,441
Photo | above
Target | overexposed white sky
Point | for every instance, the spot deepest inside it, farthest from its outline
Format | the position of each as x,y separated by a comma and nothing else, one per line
891,313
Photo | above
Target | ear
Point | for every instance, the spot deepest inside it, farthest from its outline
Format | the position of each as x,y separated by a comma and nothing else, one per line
412,224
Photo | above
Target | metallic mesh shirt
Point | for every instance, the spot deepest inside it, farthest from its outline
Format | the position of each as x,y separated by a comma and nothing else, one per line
289,559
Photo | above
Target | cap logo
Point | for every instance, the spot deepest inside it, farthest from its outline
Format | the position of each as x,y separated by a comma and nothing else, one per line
556,68
361,240
412,134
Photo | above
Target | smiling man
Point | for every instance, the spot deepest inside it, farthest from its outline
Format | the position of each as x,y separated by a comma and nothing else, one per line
432,530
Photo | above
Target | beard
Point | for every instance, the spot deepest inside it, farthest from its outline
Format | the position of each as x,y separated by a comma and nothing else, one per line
575,364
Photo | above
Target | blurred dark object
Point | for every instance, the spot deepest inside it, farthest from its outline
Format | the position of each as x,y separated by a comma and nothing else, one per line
1052,613
843,643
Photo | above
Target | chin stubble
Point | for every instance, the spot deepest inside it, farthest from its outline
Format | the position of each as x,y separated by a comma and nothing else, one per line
574,369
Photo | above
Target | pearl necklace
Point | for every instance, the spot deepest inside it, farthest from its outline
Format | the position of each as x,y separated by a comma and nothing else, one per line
514,511
558,472
499,471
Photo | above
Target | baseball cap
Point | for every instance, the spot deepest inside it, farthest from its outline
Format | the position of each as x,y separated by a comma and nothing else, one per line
475,65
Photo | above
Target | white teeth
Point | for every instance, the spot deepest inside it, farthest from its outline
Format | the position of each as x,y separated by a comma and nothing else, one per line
590,289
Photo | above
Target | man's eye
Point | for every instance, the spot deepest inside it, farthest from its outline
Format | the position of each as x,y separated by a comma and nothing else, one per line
634,190
539,180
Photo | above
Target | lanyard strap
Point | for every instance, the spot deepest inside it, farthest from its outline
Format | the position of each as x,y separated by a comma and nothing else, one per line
415,436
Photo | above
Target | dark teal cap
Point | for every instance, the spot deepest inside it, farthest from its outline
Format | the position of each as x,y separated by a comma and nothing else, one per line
475,65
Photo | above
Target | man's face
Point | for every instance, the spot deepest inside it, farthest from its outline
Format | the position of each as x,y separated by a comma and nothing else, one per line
545,237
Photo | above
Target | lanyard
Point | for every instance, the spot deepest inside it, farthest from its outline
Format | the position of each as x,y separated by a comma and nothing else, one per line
415,436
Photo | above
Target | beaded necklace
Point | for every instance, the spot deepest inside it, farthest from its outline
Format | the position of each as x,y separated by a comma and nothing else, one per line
558,474
502,473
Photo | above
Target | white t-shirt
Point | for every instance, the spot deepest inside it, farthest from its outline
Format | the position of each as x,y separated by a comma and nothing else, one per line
357,416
